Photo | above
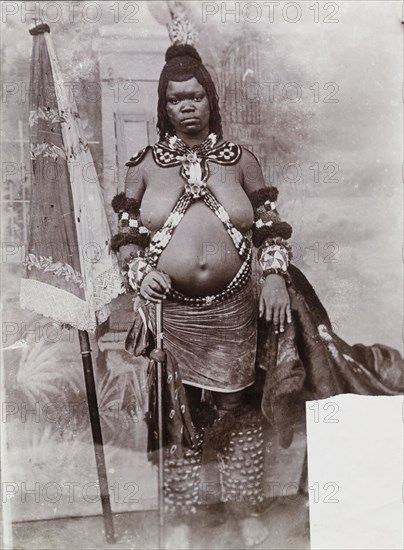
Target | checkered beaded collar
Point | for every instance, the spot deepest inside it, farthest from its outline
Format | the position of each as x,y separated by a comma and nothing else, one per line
172,152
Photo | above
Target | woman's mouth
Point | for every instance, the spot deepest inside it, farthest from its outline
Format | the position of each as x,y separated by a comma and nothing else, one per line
190,120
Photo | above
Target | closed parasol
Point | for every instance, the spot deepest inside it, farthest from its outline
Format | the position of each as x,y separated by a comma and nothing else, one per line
72,275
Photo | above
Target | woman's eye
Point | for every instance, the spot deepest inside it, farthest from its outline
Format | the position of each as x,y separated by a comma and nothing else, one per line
198,98
173,101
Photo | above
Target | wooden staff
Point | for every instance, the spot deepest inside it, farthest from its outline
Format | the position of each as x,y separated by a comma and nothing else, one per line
160,358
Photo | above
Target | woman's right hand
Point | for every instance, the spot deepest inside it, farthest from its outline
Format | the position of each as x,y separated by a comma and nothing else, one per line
155,286
125,253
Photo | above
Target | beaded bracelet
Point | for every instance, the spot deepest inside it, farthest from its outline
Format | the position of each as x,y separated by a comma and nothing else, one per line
274,256
131,230
267,222
136,270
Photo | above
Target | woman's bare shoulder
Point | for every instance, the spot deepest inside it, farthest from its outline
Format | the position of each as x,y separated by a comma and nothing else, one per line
253,178
138,167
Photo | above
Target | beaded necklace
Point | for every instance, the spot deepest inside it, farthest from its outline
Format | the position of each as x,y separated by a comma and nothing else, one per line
202,148
193,160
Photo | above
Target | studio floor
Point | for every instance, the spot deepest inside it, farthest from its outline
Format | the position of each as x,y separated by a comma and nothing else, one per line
287,520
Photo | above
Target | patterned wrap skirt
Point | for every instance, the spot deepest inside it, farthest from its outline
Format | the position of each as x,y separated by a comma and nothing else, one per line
214,345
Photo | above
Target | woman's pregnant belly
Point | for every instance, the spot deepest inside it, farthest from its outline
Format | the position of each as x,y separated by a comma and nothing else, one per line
200,258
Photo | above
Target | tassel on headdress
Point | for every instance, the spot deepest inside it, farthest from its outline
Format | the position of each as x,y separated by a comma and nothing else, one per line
181,31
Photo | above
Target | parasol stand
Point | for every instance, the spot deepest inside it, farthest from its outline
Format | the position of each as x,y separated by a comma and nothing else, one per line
85,351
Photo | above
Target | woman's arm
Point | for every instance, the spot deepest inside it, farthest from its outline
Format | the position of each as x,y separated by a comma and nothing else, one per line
133,237
269,236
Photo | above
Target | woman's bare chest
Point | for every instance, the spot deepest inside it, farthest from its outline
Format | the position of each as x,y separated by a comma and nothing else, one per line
164,186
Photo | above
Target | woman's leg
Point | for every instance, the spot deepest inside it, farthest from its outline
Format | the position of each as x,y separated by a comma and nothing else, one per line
194,396
241,460
182,485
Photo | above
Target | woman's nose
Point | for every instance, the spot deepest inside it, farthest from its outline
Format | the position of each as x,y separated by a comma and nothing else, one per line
187,105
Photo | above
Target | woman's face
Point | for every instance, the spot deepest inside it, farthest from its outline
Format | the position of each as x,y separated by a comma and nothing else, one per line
188,107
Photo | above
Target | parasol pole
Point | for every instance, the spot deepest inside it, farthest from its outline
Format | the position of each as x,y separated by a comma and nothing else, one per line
98,443
160,358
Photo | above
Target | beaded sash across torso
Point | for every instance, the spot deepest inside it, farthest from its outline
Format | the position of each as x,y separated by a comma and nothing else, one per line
195,172
162,237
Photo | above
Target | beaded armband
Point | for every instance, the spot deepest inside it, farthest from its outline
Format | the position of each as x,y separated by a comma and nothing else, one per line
136,270
274,256
130,228
267,222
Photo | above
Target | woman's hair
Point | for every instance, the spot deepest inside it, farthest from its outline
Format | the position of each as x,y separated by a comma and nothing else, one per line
182,63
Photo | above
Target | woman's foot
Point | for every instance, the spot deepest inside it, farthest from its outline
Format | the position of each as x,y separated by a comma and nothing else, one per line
253,531
213,515
177,537
264,506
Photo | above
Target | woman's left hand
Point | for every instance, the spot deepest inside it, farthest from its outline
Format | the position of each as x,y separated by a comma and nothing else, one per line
274,303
